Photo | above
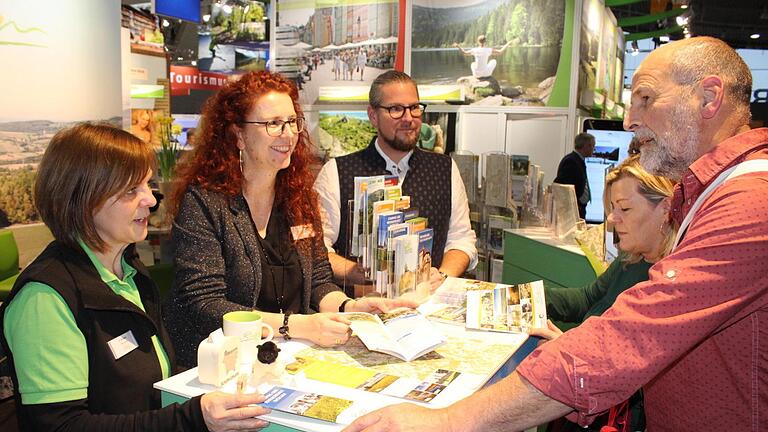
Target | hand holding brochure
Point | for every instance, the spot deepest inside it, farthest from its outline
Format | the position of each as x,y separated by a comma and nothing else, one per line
507,308
403,332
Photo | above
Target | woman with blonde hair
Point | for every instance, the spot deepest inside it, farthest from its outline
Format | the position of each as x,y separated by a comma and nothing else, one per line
637,204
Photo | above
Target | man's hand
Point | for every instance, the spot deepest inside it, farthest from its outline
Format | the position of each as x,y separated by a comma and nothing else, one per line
229,412
380,304
402,418
435,279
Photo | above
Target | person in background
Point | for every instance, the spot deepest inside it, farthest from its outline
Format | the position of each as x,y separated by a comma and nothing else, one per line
432,181
336,65
573,170
362,60
247,233
636,203
693,335
483,65
83,325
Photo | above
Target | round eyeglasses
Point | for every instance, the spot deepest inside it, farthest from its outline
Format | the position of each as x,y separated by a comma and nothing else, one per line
398,111
275,128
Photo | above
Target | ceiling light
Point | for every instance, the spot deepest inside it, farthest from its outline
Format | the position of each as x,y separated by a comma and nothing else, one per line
754,36
166,23
681,20
684,6
206,17
194,62
664,38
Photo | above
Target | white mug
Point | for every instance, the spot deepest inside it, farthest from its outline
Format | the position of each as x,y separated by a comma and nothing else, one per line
248,326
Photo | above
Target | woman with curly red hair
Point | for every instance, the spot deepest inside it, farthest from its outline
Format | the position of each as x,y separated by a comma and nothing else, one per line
247,230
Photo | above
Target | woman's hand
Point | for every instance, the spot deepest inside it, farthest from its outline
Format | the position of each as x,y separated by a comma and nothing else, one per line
225,412
323,328
379,304
549,333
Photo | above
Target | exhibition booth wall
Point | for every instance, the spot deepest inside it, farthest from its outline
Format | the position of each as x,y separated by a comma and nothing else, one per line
563,63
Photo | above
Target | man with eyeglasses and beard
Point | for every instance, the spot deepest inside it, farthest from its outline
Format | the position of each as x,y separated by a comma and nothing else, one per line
431,180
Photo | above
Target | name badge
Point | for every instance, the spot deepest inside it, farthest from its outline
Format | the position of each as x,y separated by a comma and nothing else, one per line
123,344
302,231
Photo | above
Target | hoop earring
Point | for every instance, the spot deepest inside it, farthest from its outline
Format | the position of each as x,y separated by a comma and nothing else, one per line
240,160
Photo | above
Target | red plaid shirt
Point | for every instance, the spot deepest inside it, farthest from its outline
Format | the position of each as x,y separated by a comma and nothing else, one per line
695,335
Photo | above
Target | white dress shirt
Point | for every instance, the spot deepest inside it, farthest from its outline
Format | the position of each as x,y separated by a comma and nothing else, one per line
460,233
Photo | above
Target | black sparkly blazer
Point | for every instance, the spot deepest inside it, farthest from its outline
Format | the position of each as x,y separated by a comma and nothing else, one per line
218,269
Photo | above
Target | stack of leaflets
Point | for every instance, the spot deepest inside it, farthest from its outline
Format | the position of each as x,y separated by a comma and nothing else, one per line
404,333
413,262
386,231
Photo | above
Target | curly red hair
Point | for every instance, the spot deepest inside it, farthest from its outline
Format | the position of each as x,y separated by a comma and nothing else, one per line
215,162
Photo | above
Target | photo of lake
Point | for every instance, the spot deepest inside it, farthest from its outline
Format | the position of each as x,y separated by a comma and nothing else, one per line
507,50
525,66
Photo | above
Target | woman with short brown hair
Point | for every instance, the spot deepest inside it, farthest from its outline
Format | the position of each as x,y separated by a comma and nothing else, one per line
82,326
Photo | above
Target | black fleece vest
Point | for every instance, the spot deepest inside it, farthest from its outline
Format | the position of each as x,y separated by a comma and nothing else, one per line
428,183
122,386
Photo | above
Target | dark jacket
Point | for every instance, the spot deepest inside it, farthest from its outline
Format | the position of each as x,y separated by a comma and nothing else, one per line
218,268
120,393
573,170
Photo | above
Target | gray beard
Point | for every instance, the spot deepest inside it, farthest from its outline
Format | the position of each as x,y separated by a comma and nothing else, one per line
671,154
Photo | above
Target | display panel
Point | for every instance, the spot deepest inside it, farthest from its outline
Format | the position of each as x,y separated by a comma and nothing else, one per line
334,50
611,147
505,49
184,9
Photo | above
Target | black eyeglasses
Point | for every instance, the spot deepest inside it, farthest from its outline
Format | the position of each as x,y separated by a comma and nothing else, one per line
398,111
275,128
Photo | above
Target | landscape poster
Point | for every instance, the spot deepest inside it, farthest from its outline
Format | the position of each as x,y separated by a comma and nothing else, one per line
505,51
334,53
57,74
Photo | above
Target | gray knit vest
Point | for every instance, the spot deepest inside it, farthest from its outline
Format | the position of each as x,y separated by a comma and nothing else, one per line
428,183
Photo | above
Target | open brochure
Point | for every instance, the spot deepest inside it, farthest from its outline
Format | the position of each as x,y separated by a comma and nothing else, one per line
403,332
507,308
488,305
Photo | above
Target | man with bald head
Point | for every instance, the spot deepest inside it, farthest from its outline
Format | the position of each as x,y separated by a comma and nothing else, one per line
694,336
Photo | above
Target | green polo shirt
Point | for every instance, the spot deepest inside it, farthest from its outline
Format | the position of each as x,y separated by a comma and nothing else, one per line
49,350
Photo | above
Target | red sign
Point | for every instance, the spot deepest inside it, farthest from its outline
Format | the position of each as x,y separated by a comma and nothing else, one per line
186,78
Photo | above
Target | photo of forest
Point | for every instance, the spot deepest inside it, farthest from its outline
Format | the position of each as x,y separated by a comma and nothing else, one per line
343,132
522,39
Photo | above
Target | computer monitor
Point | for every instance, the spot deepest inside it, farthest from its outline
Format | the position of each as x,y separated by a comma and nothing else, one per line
611,147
